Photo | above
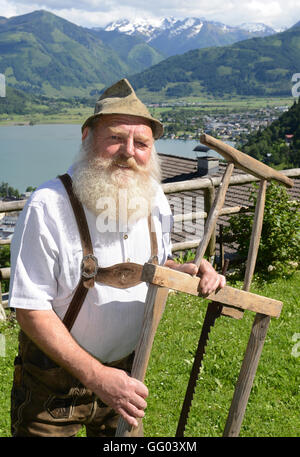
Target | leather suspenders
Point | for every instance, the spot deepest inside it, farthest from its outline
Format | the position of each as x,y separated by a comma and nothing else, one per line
89,263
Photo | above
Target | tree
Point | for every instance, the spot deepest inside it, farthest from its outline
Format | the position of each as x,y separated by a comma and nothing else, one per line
8,191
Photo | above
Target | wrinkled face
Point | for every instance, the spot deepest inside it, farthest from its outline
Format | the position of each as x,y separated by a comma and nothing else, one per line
120,136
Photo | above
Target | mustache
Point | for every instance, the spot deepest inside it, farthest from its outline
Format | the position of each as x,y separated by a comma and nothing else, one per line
128,162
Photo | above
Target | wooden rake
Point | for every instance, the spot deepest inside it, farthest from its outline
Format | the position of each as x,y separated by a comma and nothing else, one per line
234,301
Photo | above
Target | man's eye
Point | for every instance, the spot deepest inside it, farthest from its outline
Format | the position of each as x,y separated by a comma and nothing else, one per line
140,144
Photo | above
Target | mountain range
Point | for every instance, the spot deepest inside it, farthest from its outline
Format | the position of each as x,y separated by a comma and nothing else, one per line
172,36
255,67
43,54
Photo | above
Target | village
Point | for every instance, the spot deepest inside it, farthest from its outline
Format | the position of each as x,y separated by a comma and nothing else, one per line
184,122
236,126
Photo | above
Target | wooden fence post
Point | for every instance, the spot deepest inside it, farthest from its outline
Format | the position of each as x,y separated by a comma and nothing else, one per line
2,312
209,197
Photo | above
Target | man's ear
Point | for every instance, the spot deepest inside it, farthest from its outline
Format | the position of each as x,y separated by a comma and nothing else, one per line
85,133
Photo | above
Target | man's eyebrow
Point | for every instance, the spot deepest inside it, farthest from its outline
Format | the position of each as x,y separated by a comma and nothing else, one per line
124,133
117,131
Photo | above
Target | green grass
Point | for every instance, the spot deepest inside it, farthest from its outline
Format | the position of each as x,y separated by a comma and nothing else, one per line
9,330
273,407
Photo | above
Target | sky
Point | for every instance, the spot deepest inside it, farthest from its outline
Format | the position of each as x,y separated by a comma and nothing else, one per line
92,13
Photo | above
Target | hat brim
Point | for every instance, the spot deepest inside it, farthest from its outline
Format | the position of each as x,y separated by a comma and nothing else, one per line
156,126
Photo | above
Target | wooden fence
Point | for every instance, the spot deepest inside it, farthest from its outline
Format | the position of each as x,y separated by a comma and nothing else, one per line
208,185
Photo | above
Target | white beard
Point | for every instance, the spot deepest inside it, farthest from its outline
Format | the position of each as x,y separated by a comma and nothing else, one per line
116,190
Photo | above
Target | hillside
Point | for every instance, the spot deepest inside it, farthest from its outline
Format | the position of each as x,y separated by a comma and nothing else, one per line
255,67
131,49
279,143
16,102
20,106
45,54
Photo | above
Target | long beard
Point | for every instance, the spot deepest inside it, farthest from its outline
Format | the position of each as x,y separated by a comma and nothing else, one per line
116,190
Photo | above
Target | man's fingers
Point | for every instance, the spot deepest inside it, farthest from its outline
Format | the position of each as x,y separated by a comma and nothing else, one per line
140,388
133,410
139,403
136,403
129,419
222,281
210,284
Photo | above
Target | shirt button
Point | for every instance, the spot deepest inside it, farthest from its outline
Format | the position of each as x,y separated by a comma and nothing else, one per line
125,236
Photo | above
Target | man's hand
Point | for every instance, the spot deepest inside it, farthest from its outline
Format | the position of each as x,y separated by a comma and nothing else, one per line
124,394
210,279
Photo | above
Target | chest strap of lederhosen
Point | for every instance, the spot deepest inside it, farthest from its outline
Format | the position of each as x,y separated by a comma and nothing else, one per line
115,275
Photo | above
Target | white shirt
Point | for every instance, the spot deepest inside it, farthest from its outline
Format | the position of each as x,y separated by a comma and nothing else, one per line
46,254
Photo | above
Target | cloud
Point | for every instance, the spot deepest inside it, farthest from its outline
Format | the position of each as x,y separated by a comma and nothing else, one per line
276,13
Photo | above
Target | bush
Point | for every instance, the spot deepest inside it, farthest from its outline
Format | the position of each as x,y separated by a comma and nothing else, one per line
279,249
186,256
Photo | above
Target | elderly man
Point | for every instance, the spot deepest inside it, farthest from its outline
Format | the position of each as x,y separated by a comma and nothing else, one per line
78,331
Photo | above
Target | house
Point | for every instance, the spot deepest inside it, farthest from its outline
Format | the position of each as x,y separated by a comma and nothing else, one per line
7,225
288,139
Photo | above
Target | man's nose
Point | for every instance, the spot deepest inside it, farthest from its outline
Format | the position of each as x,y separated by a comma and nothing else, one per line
129,147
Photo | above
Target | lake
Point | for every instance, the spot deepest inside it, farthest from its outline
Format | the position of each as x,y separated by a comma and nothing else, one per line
31,155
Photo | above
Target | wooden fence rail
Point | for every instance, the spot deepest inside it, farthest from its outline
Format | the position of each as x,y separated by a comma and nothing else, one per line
203,183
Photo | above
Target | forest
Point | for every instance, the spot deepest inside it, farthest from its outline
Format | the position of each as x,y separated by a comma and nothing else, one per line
278,144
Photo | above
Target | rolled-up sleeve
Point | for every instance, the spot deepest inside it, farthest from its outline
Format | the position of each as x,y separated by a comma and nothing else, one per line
34,262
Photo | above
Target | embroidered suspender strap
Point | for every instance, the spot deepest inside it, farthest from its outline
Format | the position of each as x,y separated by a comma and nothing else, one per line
89,263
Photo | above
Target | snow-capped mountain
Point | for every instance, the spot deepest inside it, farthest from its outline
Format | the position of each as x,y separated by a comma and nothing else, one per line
258,27
175,36
138,27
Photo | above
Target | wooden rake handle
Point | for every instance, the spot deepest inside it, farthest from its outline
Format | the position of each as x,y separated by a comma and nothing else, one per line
245,162
154,307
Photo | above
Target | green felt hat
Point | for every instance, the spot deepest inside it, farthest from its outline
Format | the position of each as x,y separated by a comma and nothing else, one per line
120,98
